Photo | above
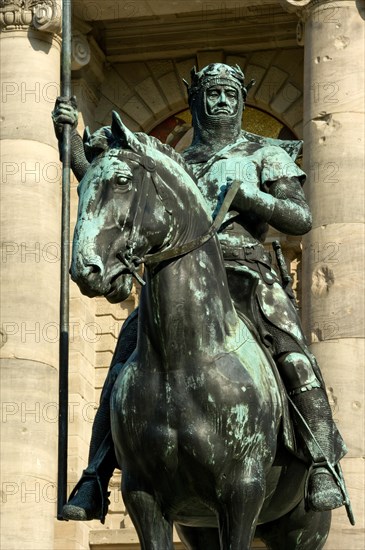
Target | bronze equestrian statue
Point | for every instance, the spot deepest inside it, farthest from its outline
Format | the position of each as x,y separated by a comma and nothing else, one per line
269,191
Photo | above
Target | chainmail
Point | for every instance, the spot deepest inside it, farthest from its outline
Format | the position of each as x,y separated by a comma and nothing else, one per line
79,163
212,132
316,411
207,128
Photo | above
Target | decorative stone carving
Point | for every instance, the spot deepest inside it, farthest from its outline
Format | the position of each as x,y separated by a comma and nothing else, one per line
80,51
302,9
300,33
47,16
300,6
43,15
294,5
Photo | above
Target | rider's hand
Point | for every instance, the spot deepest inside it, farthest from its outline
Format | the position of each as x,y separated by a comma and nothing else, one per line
247,194
250,198
64,112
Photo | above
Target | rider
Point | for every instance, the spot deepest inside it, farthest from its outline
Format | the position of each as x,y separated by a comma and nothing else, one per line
270,193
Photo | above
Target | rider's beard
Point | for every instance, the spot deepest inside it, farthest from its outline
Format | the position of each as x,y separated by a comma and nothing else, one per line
213,132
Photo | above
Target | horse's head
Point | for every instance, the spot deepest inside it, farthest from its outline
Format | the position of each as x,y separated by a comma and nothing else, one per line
124,211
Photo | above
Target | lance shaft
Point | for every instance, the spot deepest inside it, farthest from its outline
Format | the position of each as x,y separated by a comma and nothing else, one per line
65,263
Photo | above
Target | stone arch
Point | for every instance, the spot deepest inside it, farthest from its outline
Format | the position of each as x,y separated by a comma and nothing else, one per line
148,92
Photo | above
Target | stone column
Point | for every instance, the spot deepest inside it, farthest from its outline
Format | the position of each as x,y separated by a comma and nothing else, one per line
333,253
30,234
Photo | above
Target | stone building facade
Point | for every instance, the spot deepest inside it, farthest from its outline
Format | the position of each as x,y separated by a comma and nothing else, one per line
307,57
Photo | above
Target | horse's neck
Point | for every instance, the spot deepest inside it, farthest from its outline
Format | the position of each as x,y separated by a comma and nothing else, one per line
186,306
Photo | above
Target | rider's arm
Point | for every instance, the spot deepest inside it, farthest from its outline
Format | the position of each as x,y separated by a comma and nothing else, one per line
278,199
79,163
290,213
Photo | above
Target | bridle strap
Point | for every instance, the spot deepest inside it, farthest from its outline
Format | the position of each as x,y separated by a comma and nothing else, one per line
128,257
183,249
141,205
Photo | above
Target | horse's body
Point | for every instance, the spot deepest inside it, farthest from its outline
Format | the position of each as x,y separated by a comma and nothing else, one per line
196,411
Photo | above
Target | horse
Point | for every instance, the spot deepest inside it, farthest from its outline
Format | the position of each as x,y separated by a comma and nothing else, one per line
196,411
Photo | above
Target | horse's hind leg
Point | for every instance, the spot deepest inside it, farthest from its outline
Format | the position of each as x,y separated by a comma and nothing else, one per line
199,538
297,530
153,529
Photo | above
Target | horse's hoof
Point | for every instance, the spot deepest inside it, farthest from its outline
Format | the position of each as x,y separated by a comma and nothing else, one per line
324,493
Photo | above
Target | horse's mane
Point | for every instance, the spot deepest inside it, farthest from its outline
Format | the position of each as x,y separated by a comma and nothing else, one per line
104,139
155,143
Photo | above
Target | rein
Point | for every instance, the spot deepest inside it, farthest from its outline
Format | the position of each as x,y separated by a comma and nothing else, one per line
133,262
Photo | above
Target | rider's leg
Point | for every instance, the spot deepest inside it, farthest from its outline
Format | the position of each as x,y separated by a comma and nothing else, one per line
310,398
89,498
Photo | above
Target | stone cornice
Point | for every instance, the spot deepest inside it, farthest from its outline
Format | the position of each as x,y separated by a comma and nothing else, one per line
43,15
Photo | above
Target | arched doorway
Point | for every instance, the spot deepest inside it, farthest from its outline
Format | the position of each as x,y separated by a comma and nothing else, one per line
176,130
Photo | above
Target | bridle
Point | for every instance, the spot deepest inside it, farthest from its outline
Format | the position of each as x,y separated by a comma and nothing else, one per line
128,258
134,262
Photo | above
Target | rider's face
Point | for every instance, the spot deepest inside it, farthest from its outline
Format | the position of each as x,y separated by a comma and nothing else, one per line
221,99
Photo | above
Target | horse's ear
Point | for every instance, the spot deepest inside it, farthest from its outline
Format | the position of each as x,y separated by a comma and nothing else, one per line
123,134
87,134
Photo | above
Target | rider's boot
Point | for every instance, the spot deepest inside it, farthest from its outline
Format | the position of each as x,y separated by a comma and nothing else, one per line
317,431
323,491
89,499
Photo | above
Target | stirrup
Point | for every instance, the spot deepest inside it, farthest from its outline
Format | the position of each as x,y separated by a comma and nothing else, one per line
335,472
92,475
321,461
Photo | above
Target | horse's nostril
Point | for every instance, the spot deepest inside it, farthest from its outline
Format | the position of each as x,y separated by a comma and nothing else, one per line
87,268
92,268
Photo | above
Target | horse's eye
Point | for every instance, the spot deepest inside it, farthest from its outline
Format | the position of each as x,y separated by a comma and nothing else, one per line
123,182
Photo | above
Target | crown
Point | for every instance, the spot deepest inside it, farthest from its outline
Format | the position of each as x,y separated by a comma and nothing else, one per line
217,74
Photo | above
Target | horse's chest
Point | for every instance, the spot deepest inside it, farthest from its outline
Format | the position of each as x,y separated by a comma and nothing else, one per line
146,416
204,417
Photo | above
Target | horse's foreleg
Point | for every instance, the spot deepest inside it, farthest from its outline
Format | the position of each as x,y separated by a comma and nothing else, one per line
153,529
241,497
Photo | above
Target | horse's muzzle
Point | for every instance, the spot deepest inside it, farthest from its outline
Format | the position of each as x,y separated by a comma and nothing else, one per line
88,274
